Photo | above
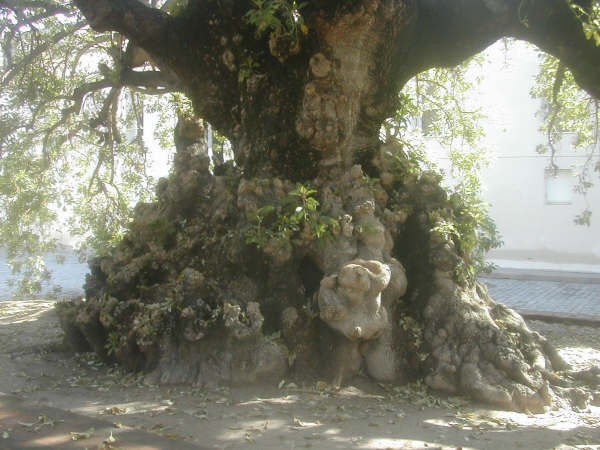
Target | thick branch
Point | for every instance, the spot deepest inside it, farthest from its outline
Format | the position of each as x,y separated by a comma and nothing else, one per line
151,80
566,41
189,47
149,27
449,31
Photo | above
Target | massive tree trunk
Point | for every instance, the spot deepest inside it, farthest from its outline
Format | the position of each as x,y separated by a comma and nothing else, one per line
321,251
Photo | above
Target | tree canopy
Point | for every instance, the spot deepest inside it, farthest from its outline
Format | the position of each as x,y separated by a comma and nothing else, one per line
74,100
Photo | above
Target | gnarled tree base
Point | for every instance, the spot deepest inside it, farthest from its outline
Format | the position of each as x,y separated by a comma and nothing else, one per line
227,279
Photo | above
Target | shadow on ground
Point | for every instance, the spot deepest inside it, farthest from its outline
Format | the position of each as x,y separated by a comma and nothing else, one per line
58,396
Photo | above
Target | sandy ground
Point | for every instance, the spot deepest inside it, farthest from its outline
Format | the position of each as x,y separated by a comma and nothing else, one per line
363,416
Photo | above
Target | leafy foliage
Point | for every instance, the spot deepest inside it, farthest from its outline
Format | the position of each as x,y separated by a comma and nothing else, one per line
568,109
278,17
297,214
73,154
590,19
284,24
435,110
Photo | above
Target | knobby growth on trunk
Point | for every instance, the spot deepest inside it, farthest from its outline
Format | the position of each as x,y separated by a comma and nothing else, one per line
321,251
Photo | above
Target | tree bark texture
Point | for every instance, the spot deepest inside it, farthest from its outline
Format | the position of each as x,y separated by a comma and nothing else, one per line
322,250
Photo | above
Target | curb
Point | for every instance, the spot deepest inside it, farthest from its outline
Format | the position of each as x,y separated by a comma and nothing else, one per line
569,319
544,275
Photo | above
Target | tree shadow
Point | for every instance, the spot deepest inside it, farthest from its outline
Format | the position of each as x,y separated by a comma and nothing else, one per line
364,415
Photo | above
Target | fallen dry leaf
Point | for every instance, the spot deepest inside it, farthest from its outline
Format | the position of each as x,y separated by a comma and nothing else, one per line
78,436
115,410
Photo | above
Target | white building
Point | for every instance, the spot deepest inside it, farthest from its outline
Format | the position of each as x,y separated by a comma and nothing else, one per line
534,208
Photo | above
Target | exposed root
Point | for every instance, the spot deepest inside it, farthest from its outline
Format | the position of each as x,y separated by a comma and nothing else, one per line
486,350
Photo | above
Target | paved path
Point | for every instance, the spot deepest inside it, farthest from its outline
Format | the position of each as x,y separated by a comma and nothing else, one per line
560,295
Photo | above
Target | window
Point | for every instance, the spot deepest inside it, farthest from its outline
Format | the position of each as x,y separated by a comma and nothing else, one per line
428,119
559,186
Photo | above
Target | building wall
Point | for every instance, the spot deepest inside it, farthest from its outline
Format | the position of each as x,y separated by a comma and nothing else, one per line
515,182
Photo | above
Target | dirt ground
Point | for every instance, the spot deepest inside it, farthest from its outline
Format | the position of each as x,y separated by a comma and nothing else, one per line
364,415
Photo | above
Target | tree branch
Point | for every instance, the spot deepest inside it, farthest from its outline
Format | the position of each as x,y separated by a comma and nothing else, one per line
150,80
149,27
81,91
186,47
449,31
554,28
39,50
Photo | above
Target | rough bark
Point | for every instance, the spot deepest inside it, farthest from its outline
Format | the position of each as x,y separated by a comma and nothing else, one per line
241,274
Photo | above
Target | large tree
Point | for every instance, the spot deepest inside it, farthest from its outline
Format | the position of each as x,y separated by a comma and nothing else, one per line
320,250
